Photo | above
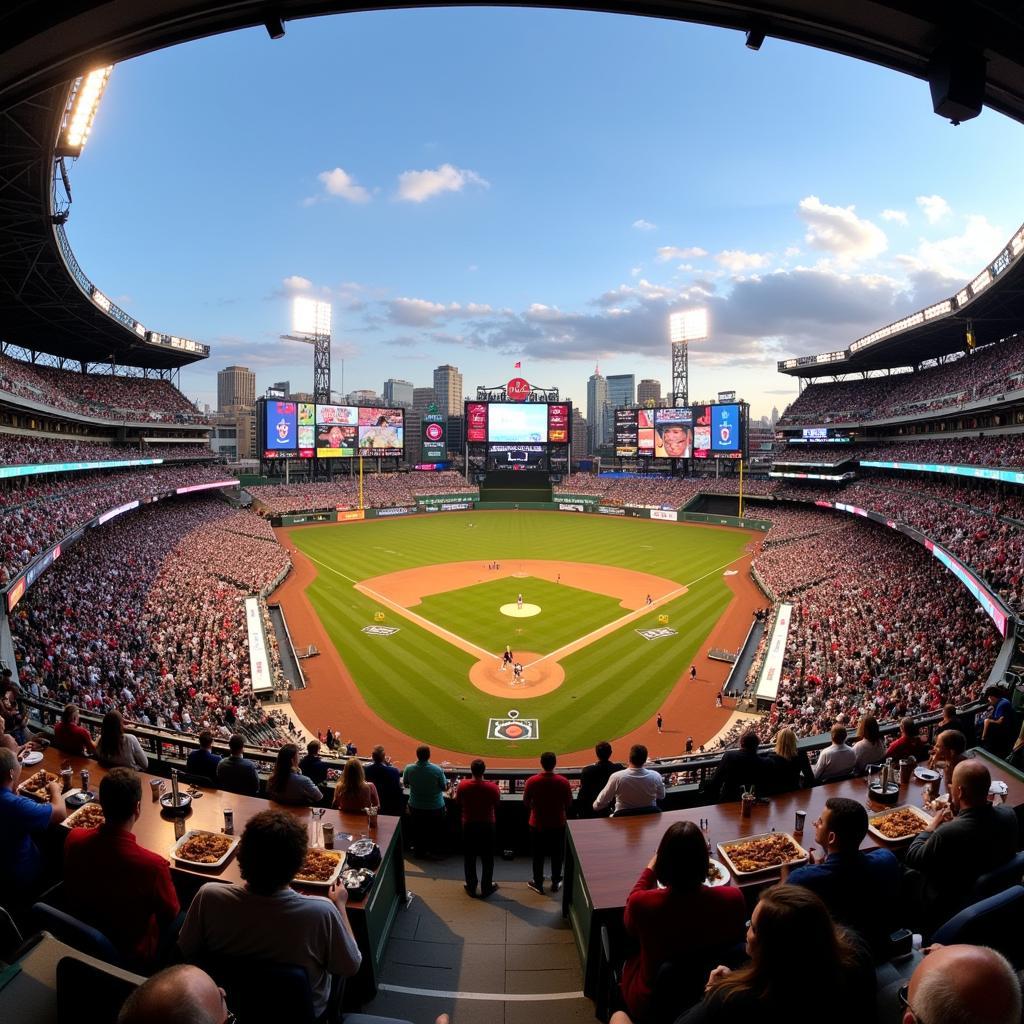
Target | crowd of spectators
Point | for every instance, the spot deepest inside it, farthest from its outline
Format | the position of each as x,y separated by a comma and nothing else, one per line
146,617
673,492
100,395
31,450
1004,450
36,512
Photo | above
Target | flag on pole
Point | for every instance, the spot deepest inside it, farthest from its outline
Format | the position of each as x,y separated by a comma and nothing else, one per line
518,366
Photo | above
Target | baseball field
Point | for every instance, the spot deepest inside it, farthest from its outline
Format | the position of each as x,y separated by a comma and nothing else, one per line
419,611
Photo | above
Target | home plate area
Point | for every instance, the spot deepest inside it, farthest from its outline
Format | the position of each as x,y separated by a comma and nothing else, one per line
517,611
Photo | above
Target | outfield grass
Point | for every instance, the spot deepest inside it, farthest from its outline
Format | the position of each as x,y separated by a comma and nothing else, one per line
419,683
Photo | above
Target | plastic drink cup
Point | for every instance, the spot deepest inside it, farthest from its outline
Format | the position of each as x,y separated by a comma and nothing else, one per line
801,817
328,836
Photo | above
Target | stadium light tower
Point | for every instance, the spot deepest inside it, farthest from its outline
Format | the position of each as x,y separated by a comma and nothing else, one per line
684,327
83,102
311,324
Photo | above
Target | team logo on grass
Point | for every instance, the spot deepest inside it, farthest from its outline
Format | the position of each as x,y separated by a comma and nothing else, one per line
656,634
512,727
380,630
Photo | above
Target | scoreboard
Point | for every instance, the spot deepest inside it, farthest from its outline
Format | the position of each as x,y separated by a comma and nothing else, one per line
521,435
681,432
302,430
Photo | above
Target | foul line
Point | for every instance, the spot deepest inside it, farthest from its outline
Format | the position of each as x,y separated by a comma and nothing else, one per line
502,997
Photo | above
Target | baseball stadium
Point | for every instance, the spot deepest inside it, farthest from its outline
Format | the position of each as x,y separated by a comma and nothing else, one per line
477,702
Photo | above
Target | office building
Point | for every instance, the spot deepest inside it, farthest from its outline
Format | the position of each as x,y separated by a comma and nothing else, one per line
648,390
236,385
422,400
448,390
621,390
597,408
456,436
397,392
579,437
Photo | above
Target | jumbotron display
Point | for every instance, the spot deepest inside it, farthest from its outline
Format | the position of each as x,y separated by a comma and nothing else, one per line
302,430
520,435
683,432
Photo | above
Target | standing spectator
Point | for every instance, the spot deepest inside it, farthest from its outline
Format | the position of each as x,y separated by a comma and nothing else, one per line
835,761
116,885
870,747
236,773
330,740
908,743
203,761
593,779
71,737
996,724
118,749
353,794
740,770
789,767
478,801
426,783
632,788
548,798
312,765
388,780
287,785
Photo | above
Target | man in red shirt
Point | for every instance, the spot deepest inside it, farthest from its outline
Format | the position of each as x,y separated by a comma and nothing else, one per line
71,737
478,800
908,743
116,885
547,797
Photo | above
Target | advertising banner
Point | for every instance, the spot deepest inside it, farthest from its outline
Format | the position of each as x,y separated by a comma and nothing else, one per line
435,446
611,510
350,515
476,421
565,506
397,510
669,516
259,663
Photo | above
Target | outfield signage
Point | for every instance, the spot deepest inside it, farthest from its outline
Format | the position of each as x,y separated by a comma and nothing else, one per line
450,506
668,516
771,669
1006,476
570,506
576,499
350,515
259,664
611,510
397,510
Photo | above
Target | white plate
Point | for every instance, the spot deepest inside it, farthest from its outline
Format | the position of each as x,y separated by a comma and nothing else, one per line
927,774
724,877
31,757
998,788
214,865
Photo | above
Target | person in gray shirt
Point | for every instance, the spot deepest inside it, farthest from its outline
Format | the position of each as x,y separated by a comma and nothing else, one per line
287,785
235,773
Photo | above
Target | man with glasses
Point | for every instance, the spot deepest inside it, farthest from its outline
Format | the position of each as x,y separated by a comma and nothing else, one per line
964,984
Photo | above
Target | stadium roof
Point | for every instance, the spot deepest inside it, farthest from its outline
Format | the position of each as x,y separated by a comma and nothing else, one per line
971,54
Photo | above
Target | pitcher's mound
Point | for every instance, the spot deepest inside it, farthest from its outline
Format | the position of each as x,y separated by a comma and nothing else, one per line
536,680
520,613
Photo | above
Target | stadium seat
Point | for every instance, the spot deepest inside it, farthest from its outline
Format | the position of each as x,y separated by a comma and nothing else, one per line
107,991
991,922
262,990
75,933
999,879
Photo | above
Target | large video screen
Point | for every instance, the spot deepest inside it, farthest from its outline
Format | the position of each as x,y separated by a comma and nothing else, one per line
673,433
517,424
686,432
280,426
517,457
304,430
625,433
381,431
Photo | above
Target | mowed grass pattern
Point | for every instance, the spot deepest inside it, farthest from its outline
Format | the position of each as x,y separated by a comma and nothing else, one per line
474,613
419,682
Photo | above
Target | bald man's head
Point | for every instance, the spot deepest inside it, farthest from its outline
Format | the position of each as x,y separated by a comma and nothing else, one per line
965,984
973,780
177,995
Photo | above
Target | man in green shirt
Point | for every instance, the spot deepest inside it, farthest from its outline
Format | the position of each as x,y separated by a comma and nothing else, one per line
426,784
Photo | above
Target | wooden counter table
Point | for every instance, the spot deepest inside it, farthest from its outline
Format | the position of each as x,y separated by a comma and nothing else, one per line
371,918
604,856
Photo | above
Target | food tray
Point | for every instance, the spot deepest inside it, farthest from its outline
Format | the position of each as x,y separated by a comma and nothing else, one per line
922,816
800,854
85,816
327,883
201,865
35,789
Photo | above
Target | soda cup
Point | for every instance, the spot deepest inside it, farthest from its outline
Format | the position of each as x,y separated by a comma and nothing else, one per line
229,821
85,779
746,805
155,788
801,817
328,836
65,779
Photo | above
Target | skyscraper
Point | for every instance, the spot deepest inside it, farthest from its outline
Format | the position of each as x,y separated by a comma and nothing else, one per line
621,389
236,385
648,390
397,392
579,437
597,407
422,400
448,390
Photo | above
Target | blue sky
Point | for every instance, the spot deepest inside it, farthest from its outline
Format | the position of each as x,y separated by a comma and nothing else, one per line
480,186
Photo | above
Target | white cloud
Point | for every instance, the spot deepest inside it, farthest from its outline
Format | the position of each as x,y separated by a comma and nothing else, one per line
791,251
644,225
673,252
635,271
899,216
839,231
418,186
340,183
934,208
295,284
959,257
738,261
424,313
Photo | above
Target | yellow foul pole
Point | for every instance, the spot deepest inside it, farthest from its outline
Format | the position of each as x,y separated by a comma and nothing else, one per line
741,488
360,481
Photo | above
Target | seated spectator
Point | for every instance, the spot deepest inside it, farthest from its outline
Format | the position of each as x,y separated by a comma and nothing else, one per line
835,761
265,919
789,768
962,984
663,911
287,785
353,794
116,885
203,761
593,779
312,765
8,742
798,957
427,786
947,858
869,746
632,787
741,770
861,888
236,773
908,743
21,863
997,722
950,720
948,752
548,798
478,801
71,737
388,780
178,994
117,748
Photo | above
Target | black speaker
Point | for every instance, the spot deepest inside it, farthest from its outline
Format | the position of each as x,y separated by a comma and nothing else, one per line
956,77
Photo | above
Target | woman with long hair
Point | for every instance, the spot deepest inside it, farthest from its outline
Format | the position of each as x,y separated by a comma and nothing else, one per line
798,957
117,748
869,748
678,919
790,767
287,785
353,792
